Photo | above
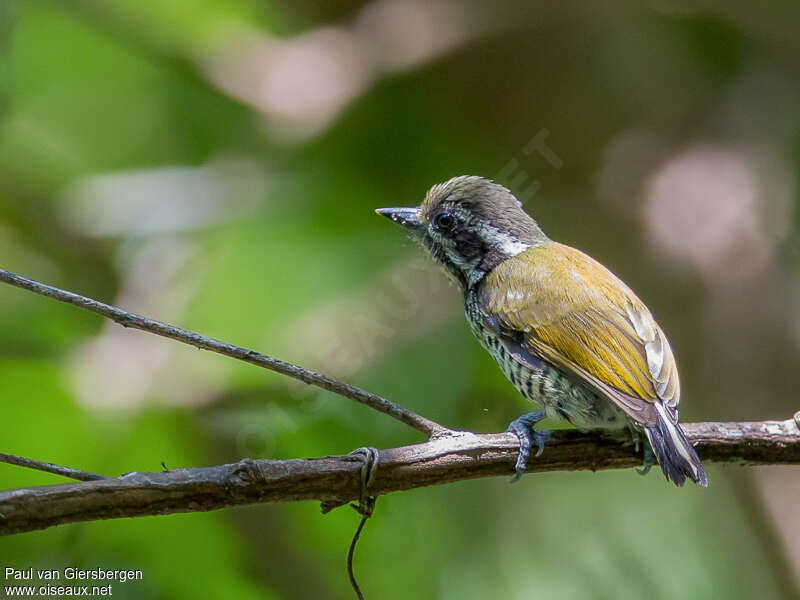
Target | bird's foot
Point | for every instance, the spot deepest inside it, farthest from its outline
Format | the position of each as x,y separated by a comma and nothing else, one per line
648,461
523,428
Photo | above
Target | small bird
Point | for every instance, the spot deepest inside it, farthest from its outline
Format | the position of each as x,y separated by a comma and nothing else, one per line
567,333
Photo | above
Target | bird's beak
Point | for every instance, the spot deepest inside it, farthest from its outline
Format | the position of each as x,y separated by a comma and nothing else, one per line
408,217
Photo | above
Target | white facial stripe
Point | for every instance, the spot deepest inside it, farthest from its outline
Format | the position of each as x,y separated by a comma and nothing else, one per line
507,243
492,237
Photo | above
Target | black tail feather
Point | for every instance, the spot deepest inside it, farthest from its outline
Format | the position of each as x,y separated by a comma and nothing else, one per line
676,455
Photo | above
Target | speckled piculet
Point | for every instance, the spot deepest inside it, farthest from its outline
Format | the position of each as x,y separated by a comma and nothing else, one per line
567,333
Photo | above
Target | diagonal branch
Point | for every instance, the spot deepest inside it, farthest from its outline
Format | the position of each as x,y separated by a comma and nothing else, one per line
335,480
47,467
127,319
446,456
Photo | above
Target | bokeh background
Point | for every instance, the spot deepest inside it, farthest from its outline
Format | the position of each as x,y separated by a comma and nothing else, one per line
215,163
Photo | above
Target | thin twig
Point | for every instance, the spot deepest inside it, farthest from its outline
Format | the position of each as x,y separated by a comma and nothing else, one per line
369,458
127,319
50,468
337,480
351,553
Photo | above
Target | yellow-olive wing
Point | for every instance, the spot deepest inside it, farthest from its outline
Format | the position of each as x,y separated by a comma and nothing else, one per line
577,315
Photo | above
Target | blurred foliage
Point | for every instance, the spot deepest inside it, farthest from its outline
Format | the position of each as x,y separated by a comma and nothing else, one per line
93,90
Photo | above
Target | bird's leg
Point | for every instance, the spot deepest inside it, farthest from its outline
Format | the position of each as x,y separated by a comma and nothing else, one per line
648,458
523,428
648,461
636,436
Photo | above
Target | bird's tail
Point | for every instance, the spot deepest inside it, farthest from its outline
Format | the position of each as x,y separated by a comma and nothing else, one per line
675,454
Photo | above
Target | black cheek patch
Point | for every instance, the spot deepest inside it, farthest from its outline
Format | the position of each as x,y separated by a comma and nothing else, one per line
469,245
492,258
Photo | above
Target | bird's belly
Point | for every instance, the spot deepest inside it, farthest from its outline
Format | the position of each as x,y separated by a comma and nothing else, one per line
561,396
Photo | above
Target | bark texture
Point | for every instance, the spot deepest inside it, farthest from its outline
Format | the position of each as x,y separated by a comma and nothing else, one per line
335,480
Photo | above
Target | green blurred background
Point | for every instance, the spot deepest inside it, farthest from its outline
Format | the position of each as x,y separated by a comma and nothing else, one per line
215,163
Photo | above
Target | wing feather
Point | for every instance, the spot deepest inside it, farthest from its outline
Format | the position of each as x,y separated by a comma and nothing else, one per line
577,315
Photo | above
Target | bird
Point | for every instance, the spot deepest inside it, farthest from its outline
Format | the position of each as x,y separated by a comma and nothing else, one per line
568,333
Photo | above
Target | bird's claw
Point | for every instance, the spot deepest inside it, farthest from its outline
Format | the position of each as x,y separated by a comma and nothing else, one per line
648,461
523,428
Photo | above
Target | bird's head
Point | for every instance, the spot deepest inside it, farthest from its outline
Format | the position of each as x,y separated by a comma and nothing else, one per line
469,225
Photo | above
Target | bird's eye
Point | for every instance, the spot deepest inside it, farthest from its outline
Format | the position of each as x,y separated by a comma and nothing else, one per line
444,221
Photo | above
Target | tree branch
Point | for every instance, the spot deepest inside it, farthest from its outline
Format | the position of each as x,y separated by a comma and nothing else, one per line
47,467
446,456
335,480
126,319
